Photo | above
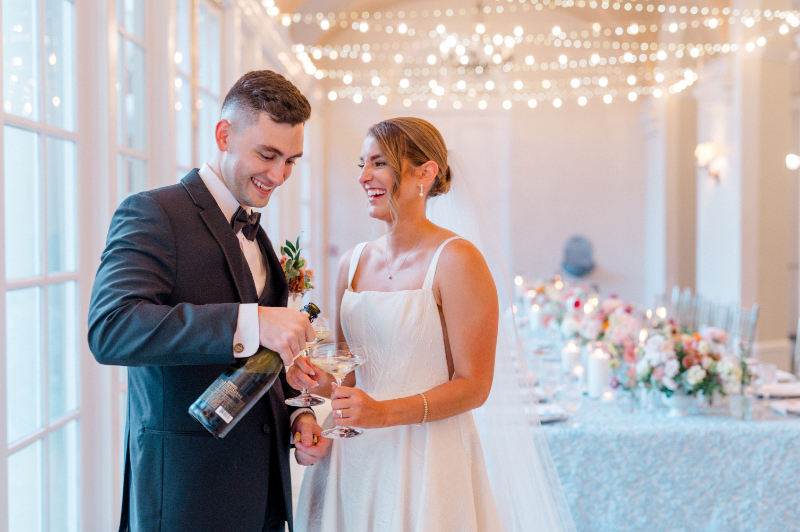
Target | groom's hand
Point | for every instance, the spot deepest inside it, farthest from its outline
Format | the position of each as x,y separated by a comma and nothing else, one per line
284,330
305,451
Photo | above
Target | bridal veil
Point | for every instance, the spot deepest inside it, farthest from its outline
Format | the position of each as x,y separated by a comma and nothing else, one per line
526,487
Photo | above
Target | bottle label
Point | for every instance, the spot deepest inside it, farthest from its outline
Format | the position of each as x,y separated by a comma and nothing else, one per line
221,412
224,397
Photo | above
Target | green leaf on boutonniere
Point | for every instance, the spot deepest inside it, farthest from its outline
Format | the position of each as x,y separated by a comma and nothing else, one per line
290,246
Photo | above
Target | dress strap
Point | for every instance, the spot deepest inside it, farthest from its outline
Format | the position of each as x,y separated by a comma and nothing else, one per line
354,263
428,284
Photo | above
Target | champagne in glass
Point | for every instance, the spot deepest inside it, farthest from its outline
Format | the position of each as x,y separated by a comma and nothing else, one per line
322,330
338,360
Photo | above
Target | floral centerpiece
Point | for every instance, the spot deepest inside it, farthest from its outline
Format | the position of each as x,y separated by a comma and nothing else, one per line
681,365
298,275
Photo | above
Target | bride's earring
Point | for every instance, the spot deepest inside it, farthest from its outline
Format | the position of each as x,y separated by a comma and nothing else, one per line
420,190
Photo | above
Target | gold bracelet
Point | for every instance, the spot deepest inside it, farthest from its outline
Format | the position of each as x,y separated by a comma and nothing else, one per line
425,417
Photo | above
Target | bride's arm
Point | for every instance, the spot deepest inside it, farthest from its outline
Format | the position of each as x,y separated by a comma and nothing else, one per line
469,304
302,364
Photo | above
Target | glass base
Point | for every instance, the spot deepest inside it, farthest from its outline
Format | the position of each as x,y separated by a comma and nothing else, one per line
342,432
305,400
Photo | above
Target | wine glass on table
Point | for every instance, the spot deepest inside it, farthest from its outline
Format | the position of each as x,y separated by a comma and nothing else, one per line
322,330
338,360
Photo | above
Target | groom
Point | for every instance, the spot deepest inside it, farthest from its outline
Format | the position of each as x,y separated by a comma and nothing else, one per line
188,283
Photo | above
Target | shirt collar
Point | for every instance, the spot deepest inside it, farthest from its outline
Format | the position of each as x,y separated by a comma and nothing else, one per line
224,198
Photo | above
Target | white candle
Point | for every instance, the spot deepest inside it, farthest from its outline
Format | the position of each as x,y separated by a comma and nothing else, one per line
598,373
570,357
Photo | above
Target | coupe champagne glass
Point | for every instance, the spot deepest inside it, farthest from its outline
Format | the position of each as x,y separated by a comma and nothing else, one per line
338,360
322,330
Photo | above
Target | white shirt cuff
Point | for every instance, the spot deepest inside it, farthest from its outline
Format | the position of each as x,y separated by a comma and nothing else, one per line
297,413
245,339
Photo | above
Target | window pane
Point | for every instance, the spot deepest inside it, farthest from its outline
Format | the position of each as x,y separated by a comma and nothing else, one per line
23,362
209,70
63,478
183,122
20,58
61,199
134,17
62,361
21,202
183,28
209,116
25,489
132,176
134,90
120,91
60,64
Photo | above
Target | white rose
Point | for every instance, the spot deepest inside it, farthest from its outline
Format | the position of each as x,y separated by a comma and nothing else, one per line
591,328
695,375
668,355
702,347
671,367
669,383
570,326
642,367
655,343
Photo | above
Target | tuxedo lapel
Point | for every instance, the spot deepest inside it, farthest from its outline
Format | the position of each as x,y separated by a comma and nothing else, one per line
222,231
276,278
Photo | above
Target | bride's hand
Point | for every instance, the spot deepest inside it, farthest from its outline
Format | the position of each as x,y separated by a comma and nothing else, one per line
305,375
357,408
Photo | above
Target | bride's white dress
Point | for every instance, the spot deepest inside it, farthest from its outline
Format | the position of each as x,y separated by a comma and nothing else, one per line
407,478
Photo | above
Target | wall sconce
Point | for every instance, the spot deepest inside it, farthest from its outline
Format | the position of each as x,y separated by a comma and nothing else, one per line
709,157
793,161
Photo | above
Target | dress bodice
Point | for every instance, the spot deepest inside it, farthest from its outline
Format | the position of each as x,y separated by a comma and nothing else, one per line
401,333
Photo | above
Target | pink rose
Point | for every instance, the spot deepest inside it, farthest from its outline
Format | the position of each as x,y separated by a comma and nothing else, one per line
715,334
658,373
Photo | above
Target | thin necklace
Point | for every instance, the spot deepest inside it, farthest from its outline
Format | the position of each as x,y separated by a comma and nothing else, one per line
386,257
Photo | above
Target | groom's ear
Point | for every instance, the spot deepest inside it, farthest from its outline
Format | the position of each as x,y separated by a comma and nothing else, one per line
222,132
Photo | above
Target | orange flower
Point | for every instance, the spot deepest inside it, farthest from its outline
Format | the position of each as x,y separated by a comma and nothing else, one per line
310,274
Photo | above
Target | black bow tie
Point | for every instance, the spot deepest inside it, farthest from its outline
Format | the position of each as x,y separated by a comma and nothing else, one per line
247,223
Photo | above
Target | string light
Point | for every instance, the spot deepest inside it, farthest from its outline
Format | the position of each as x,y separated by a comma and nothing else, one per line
446,54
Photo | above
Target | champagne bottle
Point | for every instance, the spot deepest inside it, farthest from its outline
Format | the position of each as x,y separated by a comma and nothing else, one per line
234,392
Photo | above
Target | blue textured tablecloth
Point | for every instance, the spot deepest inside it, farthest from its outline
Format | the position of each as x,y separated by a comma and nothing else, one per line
706,472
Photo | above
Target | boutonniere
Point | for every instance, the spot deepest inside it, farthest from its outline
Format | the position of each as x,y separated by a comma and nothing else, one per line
294,267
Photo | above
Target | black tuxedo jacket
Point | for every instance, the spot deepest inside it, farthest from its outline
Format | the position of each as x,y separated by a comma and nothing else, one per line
165,303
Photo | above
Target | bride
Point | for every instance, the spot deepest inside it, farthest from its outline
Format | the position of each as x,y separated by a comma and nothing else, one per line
423,304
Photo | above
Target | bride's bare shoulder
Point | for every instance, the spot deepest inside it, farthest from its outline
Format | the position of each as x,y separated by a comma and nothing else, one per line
462,256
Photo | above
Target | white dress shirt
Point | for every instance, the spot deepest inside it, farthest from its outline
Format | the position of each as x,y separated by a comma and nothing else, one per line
245,340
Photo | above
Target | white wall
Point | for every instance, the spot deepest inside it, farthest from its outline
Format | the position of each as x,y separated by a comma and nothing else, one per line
580,171
548,174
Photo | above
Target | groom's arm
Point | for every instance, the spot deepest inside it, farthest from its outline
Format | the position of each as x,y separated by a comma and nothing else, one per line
129,324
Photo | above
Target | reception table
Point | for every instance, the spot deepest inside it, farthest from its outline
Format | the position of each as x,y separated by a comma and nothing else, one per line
706,472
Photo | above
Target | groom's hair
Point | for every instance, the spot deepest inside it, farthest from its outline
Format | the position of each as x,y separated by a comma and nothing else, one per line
265,91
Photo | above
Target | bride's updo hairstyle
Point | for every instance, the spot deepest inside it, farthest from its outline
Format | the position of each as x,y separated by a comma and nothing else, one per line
415,141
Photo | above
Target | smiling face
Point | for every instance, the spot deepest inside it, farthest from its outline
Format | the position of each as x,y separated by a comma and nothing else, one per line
255,158
378,180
